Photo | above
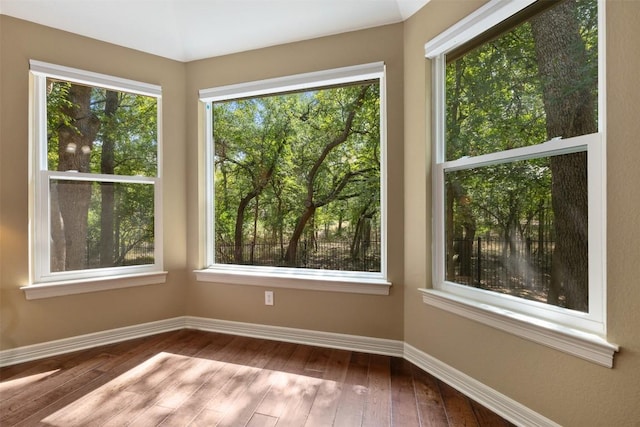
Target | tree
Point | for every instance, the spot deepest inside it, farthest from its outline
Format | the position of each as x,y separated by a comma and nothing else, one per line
493,104
76,131
530,84
107,166
288,163
316,196
92,130
251,135
568,83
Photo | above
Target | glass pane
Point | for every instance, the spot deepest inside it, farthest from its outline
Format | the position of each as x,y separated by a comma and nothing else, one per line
533,83
513,229
96,130
297,179
102,224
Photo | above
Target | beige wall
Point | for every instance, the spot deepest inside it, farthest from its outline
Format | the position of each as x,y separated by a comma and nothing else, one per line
26,322
563,388
367,315
568,390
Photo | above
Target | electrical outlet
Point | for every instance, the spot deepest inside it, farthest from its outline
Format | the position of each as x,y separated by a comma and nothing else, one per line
268,297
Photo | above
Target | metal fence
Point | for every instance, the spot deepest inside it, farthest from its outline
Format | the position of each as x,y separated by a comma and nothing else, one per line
140,254
500,265
316,254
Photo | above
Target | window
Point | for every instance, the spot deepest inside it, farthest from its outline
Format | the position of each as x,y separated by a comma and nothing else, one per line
518,163
96,176
295,179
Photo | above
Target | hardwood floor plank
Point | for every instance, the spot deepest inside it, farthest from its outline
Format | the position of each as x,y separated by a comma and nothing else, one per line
302,393
58,398
237,393
149,417
172,392
377,412
298,360
96,408
137,387
261,420
25,375
199,378
317,362
458,407
405,409
49,391
211,385
70,367
207,418
198,401
247,396
280,356
323,410
38,407
353,397
284,384
430,405
487,418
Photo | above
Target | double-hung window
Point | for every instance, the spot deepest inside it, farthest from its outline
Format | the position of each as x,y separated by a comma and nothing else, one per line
518,171
95,182
295,181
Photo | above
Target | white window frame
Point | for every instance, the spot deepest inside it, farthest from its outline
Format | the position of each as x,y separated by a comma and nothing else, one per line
43,282
283,277
577,333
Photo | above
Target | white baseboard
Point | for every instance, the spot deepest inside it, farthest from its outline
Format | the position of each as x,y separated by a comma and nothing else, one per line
82,342
486,396
300,336
474,389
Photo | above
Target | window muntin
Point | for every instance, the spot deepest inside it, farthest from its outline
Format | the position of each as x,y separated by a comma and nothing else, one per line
309,153
96,175
514,154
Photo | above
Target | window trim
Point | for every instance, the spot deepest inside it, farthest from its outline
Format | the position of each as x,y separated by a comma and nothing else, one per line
43,282
309,279
577,333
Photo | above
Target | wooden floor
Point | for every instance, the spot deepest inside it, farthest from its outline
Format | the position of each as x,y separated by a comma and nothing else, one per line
208,379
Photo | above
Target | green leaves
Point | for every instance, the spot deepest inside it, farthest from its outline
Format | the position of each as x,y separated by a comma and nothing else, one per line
311,159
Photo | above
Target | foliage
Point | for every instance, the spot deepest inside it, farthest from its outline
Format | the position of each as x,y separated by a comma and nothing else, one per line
126,140
290,165
497,100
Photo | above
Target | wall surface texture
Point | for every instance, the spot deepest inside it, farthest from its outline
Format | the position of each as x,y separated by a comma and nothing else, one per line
568,390
367,315
27,322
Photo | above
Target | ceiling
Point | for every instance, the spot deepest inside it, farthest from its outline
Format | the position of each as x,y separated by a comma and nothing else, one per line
187,30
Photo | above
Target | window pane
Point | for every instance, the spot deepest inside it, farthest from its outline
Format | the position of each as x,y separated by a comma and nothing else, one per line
297,179
100,224
96,130
535,82
505,232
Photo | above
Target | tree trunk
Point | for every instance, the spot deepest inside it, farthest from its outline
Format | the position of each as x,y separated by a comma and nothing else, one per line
238,257
310,203
107,166
453,189
292,249
74,150
261,180
449,231
255,229
569,106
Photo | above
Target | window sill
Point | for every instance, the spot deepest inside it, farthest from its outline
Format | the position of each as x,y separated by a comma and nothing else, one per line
581,344
81,286
349,282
